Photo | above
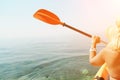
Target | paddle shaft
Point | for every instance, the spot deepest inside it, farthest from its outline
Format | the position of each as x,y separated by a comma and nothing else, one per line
81,32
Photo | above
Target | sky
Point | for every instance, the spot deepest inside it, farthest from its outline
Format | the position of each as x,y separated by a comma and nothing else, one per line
91,16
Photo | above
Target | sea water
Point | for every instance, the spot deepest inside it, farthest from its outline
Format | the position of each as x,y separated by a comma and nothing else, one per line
38,59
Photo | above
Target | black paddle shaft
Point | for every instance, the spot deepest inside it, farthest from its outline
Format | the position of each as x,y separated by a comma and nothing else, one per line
79,31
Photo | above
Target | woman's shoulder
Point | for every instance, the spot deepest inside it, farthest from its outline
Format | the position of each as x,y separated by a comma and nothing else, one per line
109,50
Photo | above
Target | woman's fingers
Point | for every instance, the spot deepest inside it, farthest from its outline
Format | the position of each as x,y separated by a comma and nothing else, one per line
95,39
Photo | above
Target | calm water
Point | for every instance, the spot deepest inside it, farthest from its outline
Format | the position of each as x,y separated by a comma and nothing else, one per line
35,59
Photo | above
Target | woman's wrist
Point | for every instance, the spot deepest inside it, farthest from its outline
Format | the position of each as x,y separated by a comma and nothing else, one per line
93,45
92,49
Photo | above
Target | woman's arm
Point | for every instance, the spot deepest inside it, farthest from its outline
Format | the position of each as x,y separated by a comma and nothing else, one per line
96,60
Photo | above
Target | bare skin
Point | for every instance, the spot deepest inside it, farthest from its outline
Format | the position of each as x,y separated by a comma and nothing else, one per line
108,56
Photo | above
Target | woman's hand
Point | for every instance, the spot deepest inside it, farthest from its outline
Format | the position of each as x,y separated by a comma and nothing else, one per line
95,39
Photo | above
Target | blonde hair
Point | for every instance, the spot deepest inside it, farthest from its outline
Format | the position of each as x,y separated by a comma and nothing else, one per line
113,35
115,42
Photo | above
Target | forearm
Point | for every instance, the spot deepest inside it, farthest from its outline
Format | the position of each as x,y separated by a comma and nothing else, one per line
92,55
92,52
96,60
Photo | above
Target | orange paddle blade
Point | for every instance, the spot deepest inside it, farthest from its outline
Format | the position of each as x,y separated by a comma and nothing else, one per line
47,16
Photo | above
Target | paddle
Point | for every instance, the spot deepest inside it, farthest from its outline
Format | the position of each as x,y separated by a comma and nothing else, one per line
51,18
